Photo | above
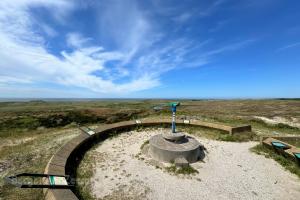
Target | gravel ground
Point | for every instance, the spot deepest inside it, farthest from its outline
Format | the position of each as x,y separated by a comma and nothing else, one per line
229,171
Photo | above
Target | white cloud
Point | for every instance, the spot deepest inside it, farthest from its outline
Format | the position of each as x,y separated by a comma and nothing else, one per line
48,30
212,8
77,40
288,46
219,25
230,47
125,25
23,54
142,52
9,80
183,17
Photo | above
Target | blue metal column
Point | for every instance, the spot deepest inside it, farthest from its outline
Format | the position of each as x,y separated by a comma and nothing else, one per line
174,119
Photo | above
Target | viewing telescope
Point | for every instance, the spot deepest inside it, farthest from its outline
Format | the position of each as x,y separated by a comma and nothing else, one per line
173,108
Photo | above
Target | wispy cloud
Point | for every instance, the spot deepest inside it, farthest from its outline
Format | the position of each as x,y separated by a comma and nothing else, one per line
77,40
288,46
139,50
219,25
128,33
73,68
48,30
12,80
183,17
229,47
211,8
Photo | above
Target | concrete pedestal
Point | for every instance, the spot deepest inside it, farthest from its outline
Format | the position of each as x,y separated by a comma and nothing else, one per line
174,136
162,149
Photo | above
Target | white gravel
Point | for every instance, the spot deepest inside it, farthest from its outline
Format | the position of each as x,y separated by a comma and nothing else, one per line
229,171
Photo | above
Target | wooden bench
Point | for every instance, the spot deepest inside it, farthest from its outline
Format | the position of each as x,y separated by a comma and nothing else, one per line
289,151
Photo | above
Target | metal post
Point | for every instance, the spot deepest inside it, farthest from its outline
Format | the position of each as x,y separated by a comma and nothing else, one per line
174,119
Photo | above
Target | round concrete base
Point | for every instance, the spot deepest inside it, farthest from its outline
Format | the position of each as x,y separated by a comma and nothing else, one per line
174,136
167,151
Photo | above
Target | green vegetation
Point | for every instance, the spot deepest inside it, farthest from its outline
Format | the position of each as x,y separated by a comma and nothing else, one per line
294,142
18,118
29,153
84,174
113,134
219,135
31,132
145,143
285,162
241,137
278,127
181,170
58,120
202,132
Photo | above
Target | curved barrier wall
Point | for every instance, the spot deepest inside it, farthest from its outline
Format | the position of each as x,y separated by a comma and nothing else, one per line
66,159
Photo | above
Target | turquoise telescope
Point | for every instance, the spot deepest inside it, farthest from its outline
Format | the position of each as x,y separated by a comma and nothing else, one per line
173,108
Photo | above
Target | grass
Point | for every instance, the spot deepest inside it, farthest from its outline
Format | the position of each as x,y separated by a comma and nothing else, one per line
145,143
49,123
84,173
29,155
257,124
276,127
181,170
240,137
187,170
21,117
202,132
295,142
113,134
219,135
288,164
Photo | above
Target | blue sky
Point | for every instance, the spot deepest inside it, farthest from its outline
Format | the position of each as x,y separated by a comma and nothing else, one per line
149,49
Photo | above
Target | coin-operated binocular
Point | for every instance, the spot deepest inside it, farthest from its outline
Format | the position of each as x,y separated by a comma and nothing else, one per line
173,108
